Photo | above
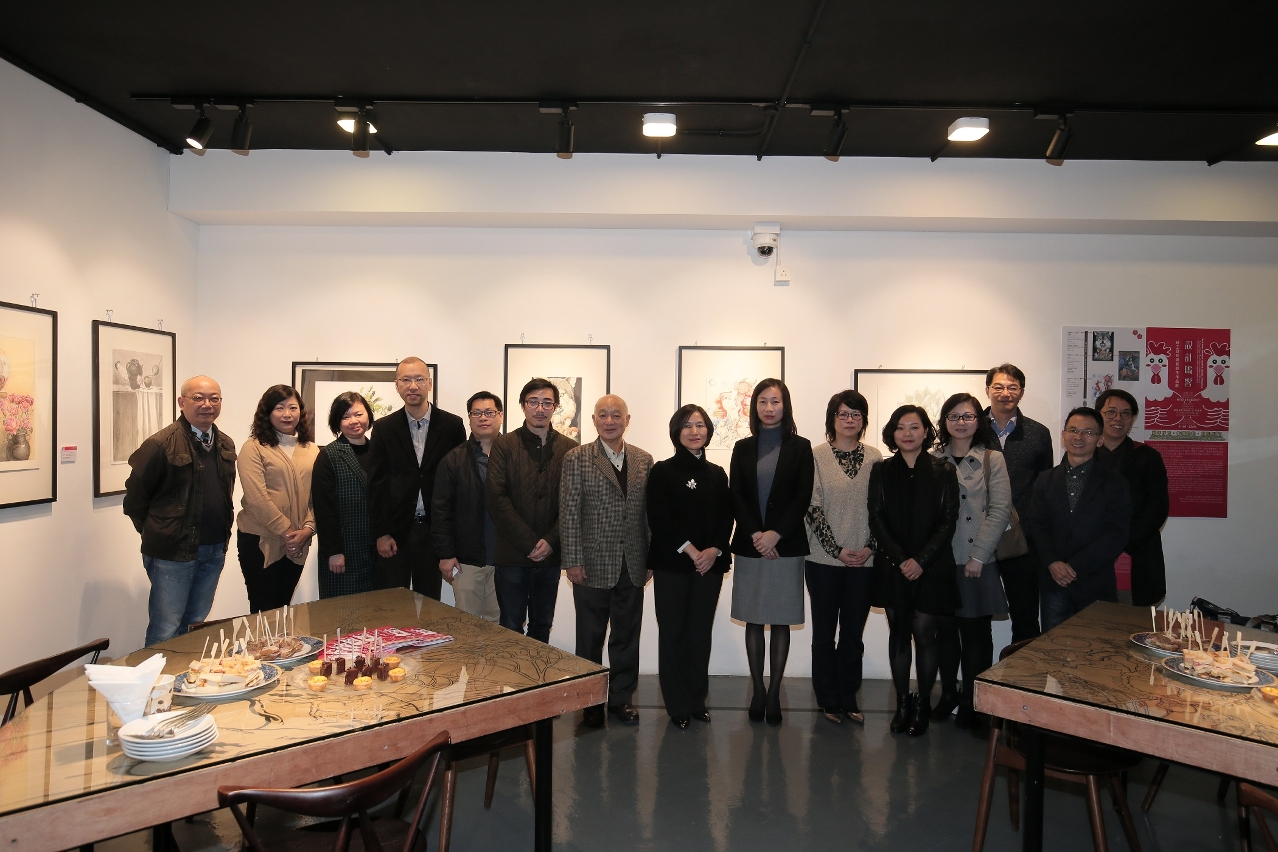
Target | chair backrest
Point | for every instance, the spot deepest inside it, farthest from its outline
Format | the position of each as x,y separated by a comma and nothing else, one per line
1012,649
19,681
1249,797
343,800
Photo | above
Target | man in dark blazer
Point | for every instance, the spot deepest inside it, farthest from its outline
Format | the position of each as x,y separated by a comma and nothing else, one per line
407,447
1079,516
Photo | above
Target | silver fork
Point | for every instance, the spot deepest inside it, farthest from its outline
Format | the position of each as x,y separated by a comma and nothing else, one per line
170,727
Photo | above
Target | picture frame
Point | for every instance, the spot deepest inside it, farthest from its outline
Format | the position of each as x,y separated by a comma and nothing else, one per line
721,380
28,405
886,390
581,373
322,381
134,396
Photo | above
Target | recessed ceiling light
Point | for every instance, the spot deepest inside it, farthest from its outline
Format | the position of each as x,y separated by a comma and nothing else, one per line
1271,139
968,129
348,124
659,124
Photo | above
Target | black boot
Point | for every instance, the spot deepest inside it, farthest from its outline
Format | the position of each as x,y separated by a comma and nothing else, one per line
904,709
966,717
921,715
756,706
945,707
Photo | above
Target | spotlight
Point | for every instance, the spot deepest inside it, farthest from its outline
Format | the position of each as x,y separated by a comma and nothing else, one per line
200,134
566,131
348,124
242,133
834,143
968,129
1056,150
1271,139
359,136
658,124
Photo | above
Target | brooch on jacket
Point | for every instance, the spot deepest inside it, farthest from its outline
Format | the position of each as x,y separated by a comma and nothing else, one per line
692,483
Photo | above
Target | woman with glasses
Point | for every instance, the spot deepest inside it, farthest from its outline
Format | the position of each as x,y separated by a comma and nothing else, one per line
771,488
276,524
1142,466
339,494
690,516
985,507
839,571
914,505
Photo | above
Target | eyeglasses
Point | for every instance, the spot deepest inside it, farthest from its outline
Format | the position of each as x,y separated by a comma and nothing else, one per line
1115,414
547,404
1085,433
409,381
486,414
1005,388
960,418
199,399
848,416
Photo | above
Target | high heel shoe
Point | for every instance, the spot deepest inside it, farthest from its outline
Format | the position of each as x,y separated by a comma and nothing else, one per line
756,707
774,709
904,709
920,717
945,706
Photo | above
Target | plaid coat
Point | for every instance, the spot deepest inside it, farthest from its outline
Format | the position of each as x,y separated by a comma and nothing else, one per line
598,525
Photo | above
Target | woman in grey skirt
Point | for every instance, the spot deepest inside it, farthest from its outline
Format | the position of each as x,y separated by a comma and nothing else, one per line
985,506
771,483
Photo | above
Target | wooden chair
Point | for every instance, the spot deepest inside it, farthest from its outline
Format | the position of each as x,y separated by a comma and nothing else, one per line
492,746
1156,783
1065,758
19,681
1250,796
351,802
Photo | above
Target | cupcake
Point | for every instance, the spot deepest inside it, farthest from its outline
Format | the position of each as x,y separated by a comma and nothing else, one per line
397,674
391,661
317,683
315,667
1269,693
363,683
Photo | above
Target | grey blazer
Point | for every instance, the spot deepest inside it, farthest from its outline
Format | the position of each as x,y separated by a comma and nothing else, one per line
598,524
982,517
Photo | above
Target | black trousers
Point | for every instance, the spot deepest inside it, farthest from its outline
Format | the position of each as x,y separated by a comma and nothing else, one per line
413,566
269,586
1020,582
969,641
620,608
840,599
685,605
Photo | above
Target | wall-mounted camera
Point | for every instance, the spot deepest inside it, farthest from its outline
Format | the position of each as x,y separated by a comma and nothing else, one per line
764,238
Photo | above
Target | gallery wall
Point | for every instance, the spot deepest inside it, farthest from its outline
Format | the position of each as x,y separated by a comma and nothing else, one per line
83,223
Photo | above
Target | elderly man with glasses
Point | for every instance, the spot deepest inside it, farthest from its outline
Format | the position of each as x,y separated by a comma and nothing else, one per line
1079,517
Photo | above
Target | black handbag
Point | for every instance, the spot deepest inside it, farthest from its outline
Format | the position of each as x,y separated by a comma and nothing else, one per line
1013,543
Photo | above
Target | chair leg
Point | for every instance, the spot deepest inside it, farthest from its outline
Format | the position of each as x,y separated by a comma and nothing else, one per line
1264,831
530,758
446,806
1014,797
401,801
1154,785
1223,789
987,794
1096,814
1244,828
1124,812
494,762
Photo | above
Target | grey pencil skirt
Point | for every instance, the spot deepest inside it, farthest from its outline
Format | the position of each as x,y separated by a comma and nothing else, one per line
767,591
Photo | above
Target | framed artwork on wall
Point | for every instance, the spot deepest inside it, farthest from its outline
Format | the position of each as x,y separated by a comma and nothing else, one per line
134,396
721,380
319,382
886,390
582,374
28,405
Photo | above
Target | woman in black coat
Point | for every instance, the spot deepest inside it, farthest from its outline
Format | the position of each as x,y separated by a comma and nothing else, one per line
914,501
339,497
690,516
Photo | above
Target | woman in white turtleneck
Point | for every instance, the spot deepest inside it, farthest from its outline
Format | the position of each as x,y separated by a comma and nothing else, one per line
276,523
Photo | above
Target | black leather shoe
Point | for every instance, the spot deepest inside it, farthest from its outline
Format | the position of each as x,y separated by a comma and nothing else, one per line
593,717
626,713
945,707
966,717
680,722
834,714
756,708
920,717
904,708
703,716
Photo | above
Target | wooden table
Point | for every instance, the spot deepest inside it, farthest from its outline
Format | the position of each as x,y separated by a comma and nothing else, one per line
1088,679
61,786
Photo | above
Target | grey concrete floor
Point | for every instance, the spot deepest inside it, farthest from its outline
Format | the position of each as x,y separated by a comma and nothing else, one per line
809,784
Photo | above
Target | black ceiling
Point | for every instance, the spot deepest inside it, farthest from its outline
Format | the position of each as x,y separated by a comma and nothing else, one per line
1144,81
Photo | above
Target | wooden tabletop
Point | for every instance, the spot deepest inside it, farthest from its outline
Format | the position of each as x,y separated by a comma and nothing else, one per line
55,764
1087,678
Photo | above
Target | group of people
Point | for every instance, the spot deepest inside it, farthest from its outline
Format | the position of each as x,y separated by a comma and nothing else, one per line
967,519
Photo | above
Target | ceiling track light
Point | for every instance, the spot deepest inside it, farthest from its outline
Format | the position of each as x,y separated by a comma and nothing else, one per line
200,134
968,129
659,124
1056,150
242,132
1271,139
834,142
359,135
566,130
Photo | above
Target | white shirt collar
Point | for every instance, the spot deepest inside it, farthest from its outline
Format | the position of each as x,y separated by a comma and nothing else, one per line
617,459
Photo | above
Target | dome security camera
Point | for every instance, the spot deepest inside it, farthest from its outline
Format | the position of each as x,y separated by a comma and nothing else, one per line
764,238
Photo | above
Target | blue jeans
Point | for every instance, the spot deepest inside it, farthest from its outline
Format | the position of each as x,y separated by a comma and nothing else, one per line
1056,603
181,592
527,593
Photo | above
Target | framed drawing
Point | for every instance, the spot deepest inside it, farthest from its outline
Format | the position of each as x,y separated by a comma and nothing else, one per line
581,373
28,405
886,390
721,380
134,396
320,381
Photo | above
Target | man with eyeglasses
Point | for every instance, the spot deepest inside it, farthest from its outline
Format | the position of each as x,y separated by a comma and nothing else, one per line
461,525
1079,516
405,450
178,496
1027,449
1142,466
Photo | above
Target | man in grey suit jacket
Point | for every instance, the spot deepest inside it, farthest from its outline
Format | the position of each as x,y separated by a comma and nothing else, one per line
603,528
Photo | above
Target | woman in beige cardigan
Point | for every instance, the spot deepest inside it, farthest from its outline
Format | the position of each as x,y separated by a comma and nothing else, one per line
276,523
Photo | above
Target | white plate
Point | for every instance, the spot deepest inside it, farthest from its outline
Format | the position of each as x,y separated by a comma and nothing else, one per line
311,647
184,747
186,750
1176,665
270,674
133,730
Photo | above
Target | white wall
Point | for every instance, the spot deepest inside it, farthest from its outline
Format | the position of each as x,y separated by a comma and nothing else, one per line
84,223
272,295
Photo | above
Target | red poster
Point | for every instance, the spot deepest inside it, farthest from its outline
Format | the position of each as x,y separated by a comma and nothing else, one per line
1188,384
1197,477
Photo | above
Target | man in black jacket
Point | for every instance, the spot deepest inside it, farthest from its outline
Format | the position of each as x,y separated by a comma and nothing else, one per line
1027,449
178,496
461,526
406,448
1079,517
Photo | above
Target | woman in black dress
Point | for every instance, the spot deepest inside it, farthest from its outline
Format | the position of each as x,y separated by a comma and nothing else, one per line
339,495
913,512
690,516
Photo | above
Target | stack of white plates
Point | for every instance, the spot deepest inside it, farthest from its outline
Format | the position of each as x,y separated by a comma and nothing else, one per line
185,742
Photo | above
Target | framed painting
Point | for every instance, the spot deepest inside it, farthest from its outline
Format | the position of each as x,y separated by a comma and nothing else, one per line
886,390
581,374
721,380
134,396
319,382
28,405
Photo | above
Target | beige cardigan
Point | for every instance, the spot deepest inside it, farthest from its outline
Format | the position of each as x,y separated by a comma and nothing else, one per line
844,502
277,495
